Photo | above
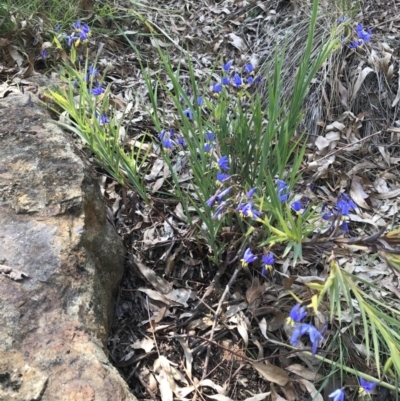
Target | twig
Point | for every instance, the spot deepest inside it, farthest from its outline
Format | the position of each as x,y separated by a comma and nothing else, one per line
201,305
218,275
227,288
247,359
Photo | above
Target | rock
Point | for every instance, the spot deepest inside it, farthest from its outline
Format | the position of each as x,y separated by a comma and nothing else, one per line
53,228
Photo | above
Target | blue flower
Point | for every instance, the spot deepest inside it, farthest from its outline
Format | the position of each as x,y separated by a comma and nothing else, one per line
188,113
281,185
221,177
165,138
181,141
344,205
246,210
315,337
299,331
226,67
363,33
251,193
83,35
345,227
85,28
346,198
223,193
212,200
249,68
237,80
296,206
327,215
221,208
199,100
217,88
210,136
283,198
268,262
366,387
43,53
302,329
250,80
92,71
353,45
225,80
70,38
57,27
359,27
337,395
341,20
207,147
104,119
97,90
223,163
297,314
248,257
167,143
283,191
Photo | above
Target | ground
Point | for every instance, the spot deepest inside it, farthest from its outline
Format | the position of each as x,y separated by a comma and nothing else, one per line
187,325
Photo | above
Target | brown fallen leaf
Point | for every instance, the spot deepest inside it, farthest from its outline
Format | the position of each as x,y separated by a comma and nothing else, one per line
271,373
156,281
14,53
303,372
314,393
155,295
289,391
87,5
358,194
255,290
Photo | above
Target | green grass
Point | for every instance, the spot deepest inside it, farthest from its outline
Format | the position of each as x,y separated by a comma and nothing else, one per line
36,15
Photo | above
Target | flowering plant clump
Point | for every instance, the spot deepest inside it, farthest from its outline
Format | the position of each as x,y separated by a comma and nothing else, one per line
344,206
80,34
236,156
93,121
363,35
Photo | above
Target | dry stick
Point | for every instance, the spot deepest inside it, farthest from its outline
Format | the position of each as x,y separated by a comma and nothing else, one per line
230,283
247,359
344,147
216,278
